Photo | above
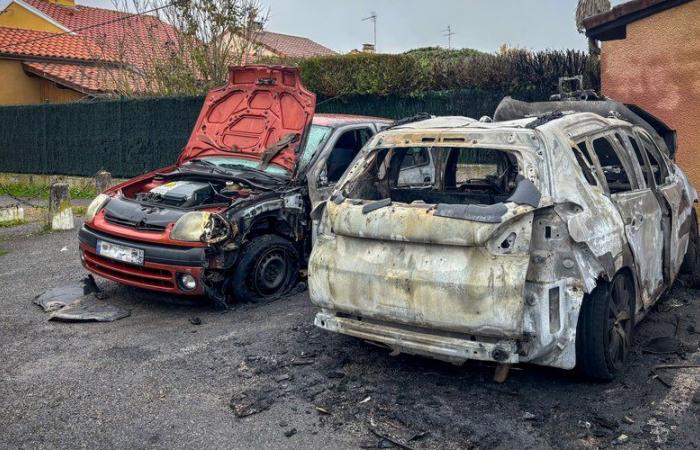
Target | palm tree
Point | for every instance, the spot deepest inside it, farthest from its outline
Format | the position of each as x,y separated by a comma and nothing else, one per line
588,8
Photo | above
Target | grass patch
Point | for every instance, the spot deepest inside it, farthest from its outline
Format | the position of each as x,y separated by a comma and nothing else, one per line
42,191
12,223
3,252
79,211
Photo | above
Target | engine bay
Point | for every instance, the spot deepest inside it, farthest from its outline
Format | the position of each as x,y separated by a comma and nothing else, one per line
192,193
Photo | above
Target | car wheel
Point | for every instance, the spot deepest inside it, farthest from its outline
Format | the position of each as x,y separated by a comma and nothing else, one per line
604,330
691,261
268,268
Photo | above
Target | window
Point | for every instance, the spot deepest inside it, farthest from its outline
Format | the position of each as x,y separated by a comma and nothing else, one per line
344,151
415,157
658,168
314,141
613,170
586,168
640,159
623,144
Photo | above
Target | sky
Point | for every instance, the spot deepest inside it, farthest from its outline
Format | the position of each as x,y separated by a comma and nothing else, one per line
405,24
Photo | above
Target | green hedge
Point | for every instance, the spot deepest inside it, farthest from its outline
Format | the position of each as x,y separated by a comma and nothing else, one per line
130,137
125,137
427,70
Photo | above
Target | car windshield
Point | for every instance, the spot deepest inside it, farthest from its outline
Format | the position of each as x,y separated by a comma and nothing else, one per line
226,162
318,135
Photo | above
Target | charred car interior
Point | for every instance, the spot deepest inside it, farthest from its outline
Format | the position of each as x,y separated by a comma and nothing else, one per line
230,219
542,236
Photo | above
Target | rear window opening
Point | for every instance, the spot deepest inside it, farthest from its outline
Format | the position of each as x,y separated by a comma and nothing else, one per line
448,175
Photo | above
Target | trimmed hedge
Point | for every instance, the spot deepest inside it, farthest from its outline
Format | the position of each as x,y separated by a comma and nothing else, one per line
427,70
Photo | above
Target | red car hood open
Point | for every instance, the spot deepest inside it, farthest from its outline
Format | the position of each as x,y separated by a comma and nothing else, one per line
258,107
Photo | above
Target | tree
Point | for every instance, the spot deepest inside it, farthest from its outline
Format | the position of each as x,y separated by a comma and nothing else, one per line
180,47
586,9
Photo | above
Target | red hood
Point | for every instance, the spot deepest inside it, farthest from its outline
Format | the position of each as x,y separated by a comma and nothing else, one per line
258,107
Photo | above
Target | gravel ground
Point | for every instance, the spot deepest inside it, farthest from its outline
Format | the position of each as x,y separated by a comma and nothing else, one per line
156,380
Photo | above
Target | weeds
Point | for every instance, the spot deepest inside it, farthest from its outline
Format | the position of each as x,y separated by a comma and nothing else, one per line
42,191
12,223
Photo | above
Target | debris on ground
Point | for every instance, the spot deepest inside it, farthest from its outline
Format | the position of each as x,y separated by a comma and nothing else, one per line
655,369
395,433
79,302
662,345
529,416
621,439
89,308
290,433
195,321
252,401
57,298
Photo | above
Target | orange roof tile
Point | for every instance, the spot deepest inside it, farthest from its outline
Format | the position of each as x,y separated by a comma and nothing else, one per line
291,46
86,78
15,41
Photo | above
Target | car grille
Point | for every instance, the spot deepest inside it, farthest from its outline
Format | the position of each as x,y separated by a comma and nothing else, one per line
130,224
157,278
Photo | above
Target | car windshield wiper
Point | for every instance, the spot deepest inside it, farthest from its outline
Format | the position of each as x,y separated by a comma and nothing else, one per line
214,167
256,171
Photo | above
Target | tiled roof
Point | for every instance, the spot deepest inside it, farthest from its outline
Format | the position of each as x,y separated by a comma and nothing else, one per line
291,46
32,43
117,31
85,78
611,24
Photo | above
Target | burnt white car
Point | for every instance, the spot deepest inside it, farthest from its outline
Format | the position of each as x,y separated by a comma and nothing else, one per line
543,236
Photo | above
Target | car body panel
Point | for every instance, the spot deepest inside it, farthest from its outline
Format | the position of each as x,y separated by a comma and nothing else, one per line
443,287
257,108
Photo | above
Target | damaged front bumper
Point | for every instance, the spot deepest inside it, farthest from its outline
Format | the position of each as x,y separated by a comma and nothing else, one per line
163,268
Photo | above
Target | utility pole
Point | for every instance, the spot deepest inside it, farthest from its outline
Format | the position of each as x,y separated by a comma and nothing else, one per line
449,33
373,18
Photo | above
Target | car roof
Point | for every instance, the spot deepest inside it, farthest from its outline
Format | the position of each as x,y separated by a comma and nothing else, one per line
335,120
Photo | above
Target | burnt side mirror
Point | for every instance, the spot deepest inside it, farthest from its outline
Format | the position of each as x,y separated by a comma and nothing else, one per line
322,180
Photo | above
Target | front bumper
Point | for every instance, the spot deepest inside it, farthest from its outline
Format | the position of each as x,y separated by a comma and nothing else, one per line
160,271
414,341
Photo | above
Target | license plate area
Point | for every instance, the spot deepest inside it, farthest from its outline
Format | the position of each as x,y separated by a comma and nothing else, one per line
129,255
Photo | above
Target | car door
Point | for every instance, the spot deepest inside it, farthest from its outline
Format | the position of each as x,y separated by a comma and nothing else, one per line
335,158
416,168
637,204
676,208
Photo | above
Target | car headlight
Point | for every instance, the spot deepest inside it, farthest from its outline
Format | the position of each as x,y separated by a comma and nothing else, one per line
201,226
97,204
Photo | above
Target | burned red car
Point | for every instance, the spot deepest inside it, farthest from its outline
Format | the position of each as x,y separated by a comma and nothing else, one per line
230,219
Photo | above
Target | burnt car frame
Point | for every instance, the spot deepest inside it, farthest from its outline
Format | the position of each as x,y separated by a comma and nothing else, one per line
544,237
230,220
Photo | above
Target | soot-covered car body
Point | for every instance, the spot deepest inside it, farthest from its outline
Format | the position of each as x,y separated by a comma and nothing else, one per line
542,237
230,218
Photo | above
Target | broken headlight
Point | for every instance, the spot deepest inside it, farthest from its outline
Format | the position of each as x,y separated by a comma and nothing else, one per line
201,226
97,204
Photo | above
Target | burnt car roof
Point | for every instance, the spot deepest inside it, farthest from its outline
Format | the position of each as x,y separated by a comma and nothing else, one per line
335,120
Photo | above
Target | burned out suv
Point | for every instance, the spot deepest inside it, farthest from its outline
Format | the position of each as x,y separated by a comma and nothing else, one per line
231,218
541,237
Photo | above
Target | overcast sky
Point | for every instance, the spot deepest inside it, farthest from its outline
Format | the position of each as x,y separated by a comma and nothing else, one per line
406,24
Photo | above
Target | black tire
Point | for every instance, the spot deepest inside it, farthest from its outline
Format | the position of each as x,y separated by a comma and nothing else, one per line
691,261
268,268
604,330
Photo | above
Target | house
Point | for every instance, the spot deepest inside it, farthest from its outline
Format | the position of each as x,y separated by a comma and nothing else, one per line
269,44
650,56
58,51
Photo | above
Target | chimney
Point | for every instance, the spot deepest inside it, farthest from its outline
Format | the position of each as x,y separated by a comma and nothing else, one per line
66,3
368,48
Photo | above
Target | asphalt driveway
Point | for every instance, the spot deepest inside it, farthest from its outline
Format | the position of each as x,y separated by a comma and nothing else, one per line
261,376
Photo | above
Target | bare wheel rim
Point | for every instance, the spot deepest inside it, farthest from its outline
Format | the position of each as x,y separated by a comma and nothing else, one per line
272,271
619,322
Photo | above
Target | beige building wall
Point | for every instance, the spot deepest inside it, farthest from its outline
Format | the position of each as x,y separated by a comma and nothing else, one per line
658,67
16,87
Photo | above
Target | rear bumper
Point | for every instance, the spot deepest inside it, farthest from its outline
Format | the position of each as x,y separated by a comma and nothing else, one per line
412,341
160,271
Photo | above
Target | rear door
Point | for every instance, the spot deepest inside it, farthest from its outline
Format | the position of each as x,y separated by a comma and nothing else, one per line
677,208
637,204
